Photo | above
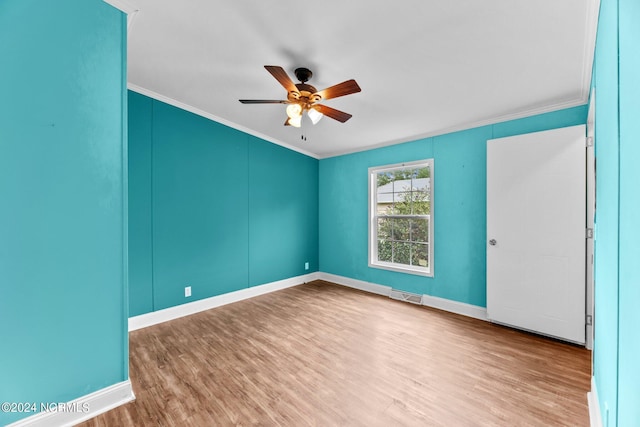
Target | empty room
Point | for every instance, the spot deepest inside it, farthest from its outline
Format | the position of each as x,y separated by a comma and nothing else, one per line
418,213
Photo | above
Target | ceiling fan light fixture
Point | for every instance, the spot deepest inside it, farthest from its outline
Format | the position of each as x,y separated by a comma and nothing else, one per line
314,115
294,111
296,122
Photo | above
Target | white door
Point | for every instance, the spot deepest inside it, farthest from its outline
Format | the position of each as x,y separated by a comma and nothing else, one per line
536,232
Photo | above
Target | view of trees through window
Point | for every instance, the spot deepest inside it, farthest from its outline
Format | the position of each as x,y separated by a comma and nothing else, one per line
403,209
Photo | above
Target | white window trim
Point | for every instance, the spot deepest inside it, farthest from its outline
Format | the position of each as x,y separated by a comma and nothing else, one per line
373,242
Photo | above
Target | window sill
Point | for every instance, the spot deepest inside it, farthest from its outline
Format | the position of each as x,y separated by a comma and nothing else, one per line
418,271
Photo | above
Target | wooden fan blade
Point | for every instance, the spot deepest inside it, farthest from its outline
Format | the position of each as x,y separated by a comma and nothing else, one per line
262,101
338,115
341,89
286,122
281,75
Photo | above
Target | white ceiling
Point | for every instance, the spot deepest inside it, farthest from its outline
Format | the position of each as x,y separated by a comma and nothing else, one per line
425,67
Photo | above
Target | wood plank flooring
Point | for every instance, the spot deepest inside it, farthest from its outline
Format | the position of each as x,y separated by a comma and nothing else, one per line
324,355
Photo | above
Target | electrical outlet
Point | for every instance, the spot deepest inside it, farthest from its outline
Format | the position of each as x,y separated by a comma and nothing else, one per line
306,265
187,291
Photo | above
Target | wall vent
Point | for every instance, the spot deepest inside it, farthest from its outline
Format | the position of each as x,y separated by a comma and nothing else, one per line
406,296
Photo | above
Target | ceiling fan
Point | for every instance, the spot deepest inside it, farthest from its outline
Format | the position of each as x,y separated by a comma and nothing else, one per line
303,97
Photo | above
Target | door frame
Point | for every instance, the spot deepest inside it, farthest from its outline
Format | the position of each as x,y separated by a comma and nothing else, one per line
590,220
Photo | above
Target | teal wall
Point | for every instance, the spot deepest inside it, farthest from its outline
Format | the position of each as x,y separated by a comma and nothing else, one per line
212,208
459,207
629,274
283,212
140,209
617,289
605,355
63,199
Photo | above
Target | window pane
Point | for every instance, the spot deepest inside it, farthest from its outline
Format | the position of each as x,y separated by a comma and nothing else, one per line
402,203
384,182
421,204
419,255
421,184
385,252
420,230
385,204
423,173
384,195
401,229
402,186
402,253
384,208
384,228
402,179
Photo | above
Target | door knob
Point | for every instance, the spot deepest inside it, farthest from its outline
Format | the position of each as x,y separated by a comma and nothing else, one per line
492,242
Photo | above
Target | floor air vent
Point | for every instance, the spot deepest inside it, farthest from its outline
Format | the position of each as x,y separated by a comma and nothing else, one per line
406,296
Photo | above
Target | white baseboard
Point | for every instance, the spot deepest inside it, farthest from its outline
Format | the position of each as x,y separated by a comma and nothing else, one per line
456,307
595,419
81,409
155,317
427,300
374,288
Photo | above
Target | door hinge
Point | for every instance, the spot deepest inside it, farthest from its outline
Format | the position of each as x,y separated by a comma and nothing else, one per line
589,233
589,320
589,141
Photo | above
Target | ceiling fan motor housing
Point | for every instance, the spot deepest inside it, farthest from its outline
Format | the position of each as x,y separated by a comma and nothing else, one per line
303,74
306,93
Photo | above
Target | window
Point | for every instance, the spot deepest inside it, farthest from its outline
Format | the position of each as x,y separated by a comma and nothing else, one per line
400,221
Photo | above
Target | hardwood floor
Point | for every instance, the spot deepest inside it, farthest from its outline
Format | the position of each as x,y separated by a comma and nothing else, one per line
325,355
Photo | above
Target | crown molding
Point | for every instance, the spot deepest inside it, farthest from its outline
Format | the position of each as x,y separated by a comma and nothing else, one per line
582,100
549,108
206,115
125,6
